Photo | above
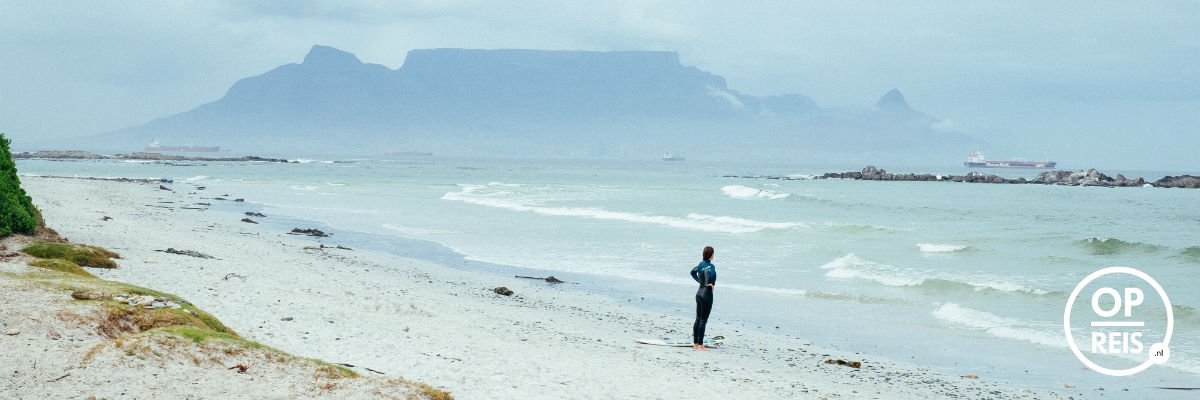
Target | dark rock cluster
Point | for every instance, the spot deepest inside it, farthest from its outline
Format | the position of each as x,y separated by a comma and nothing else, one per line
1090,177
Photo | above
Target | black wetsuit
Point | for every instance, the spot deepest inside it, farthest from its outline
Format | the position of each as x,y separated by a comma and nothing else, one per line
705,274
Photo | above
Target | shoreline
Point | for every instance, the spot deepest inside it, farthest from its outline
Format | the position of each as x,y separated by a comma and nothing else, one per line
445,326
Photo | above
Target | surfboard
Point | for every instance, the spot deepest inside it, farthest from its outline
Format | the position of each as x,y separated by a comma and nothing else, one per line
715,341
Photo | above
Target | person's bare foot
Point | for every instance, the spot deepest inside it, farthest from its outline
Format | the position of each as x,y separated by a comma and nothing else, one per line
700,347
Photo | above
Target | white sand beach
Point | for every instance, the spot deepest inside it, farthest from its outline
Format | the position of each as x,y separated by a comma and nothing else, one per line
396,317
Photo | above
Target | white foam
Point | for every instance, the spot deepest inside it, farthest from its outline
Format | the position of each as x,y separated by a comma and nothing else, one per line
196,178
700,222
851,266
995,325
743,192
940,248
802,176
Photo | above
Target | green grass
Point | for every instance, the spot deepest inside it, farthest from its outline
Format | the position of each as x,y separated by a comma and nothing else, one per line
199,335
87,256
61,265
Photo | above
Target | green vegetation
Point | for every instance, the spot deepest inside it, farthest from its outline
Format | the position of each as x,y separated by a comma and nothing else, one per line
199,335
122,318
17,213
431,392
87,256
61,265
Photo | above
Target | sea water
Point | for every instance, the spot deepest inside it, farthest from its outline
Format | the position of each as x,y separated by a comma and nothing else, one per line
965,278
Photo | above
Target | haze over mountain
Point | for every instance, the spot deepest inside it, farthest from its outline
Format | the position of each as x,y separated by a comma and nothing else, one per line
626,104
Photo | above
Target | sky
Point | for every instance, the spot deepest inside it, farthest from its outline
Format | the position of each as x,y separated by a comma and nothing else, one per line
1116,82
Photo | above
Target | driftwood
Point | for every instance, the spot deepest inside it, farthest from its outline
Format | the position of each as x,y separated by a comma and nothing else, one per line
352,366
550,279
227,276
186,253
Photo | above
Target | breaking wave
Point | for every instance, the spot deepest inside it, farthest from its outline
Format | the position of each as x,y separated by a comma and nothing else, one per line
743,192
940,248
700,222
1004,327
852,266
1111,246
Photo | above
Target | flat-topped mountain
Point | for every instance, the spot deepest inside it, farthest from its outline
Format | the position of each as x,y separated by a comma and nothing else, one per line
527,103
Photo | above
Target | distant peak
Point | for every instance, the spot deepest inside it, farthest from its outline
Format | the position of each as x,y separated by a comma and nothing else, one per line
893,100
325,56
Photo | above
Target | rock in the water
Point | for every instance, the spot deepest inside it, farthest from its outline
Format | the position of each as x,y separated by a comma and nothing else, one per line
248,220
503,291
161,187
87,295
254,214
1182,181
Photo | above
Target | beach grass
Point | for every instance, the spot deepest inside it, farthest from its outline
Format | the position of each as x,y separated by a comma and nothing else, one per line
132,327
61,266
83,255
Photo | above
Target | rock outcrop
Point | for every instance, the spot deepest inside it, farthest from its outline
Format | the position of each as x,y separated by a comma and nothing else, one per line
1089,177
1182,181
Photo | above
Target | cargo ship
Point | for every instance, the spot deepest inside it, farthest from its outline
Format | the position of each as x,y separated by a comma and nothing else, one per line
976,160
154,146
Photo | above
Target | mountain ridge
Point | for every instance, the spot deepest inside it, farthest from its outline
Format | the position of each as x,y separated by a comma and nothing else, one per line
475,102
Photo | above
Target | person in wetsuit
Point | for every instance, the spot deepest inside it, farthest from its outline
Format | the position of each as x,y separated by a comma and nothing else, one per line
706,275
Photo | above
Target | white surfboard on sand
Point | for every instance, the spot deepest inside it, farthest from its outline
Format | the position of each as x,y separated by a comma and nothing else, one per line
716,341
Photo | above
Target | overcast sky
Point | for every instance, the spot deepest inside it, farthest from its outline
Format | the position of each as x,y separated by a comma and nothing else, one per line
1110,77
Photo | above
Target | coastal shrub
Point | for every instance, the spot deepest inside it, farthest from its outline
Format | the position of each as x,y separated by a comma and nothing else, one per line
59,264
87,256
122,318
17,213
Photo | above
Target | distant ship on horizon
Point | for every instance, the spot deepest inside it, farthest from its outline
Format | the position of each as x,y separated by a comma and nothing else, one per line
976,160
672,157
155,146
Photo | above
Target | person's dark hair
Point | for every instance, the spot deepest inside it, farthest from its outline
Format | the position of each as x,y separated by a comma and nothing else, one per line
708,253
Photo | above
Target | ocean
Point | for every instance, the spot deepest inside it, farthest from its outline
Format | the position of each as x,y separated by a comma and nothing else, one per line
964,278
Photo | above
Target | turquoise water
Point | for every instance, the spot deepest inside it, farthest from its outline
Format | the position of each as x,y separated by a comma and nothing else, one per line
967,278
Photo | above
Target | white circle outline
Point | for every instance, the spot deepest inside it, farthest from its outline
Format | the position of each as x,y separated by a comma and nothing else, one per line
1071,301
